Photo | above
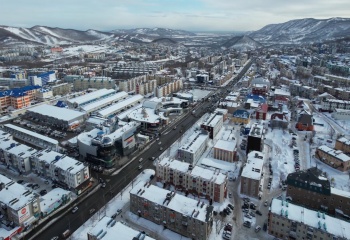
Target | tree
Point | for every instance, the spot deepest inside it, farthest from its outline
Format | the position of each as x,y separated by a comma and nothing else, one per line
331,132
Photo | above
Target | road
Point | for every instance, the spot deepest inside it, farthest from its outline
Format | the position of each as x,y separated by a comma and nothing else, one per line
116,183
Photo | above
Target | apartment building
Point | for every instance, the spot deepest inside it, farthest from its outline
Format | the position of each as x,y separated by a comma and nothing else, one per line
213,124
252,174
331,104
168,88
341,114
289,221
18,97
226,150
297,89
61,168
195,180
19,204
81,84
342,144
333,157
259,89
261,112
195,146
310,188
189,217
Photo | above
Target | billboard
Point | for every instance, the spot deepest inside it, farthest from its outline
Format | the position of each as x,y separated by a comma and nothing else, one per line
23,214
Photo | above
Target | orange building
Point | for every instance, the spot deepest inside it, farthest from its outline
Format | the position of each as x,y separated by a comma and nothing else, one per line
18,97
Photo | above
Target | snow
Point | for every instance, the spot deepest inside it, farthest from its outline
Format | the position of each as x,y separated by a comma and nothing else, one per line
57,113
115,108
310,218
104,101
226,145
144,115
81,100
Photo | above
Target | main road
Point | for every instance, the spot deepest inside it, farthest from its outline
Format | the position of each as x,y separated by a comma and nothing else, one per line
116,183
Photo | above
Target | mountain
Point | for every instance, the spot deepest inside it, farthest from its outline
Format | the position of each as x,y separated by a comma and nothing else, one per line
51,36
306,30
156,32
242,43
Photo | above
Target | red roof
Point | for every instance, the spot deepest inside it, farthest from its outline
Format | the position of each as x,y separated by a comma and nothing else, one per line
263,108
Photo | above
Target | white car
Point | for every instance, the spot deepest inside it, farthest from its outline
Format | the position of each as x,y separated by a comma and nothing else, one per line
75,209
258,228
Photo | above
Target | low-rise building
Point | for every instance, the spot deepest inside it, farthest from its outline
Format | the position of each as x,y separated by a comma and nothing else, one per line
213,124
19,204
310,188
261,112
108,228
195,180
341,114
193,149
334,158
342,144
240,116
252,174
186,216
225,150
289,221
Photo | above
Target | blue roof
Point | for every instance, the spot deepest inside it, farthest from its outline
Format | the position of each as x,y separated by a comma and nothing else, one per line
240,113
61,104
45,74
256,98
18,92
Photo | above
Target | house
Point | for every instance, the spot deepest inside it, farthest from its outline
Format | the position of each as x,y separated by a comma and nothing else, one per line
240,116
261,112
279,120
305,121
334,158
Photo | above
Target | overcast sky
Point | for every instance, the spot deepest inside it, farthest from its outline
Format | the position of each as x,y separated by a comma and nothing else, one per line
200,15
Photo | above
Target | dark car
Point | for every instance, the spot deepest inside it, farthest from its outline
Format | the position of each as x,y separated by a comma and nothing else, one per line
265,227
20,181
258,212
247,224
54,186
43,192
230,206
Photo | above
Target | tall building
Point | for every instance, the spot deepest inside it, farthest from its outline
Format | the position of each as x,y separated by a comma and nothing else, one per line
255,138
213,124
193,149
252,174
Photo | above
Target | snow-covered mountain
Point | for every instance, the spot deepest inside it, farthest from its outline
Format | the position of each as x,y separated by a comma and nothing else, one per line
51,36
242,43
303,31
156,32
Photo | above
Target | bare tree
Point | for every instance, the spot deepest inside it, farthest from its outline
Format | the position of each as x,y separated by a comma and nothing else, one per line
331,132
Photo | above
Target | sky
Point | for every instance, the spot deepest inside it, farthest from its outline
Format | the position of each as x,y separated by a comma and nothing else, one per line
192,15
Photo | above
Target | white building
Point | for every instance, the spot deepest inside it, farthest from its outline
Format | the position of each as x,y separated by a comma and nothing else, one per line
120,106
90,97
252,174
102,102
19,203
60,168
193,149
341,114
197,180
108,228
213,124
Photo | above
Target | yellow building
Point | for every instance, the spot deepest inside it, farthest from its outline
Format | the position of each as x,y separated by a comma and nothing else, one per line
240,116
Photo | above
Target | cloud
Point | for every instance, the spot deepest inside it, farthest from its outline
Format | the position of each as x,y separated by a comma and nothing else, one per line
180,14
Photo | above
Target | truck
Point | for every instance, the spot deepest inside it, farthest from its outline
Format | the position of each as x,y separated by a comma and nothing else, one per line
66,233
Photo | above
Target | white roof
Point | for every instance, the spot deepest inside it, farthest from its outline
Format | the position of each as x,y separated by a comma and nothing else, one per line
91,96
339,192
121,230
334,226
33,134
14,191
22,150
127,112
213,120
148,117
51,197
253,167
64,114
94,105
256,130
282,92
178,202
206,174
194,142
226,145
120,105
338,154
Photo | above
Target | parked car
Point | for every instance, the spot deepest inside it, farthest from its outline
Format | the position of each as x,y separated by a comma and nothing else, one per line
258,212
266,203
230,206
247,224
20,181
265,227
43,192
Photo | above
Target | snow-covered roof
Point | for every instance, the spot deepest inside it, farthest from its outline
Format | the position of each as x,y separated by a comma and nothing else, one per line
64,114
115,108
226,145
52,197
231,98
178,202
253,167
256,130
339,192
144,115
212,120
101,102
203,173
31,133
314,219
22,150
91,96
194,142
344,140
221,111
338,154
13,191
282,92
109,229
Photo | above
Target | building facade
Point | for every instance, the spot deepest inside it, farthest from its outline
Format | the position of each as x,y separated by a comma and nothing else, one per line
186,216
213,124
193,149
334,158
195,180
252,174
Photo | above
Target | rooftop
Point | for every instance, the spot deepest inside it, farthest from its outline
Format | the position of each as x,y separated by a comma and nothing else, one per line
115,108
91,96
177,202
64,114
226,145
338,154
194,141
103,101
311,218
254,165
